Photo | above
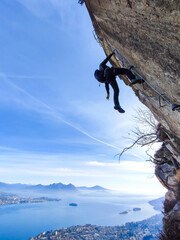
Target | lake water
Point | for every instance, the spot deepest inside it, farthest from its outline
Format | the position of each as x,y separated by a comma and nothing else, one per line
22,221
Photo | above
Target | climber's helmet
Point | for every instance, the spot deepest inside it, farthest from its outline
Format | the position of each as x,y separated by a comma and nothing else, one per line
98,76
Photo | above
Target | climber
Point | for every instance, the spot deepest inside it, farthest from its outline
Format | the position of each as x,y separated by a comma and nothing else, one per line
108,75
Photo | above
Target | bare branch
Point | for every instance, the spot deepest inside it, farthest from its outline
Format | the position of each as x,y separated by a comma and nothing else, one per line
136,142
146,131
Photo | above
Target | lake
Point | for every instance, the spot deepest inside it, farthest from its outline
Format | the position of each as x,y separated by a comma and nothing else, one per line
22,221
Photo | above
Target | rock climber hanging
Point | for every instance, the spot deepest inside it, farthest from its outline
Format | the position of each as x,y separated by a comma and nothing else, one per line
108,75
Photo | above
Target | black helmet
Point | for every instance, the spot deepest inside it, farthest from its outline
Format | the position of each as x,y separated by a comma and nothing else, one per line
98,75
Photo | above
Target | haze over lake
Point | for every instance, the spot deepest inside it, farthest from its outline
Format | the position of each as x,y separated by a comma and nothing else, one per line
22,221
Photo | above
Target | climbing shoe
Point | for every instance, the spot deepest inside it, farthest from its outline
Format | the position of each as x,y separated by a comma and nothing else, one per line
119,109
130,67
136,80
176,107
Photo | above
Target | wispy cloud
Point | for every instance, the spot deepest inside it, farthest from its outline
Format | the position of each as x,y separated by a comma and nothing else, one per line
48,8
59,173
30,102
22,164
134,166
24,76
28,167
8,149
40,9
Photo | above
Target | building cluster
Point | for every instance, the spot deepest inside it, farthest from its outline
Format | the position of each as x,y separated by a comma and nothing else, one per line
13,199
8,199
144,230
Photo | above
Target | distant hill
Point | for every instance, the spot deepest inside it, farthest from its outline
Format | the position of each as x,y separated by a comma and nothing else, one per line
95,188
55,187
51,188
157,203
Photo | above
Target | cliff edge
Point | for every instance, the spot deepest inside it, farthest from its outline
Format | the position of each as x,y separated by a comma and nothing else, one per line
146,34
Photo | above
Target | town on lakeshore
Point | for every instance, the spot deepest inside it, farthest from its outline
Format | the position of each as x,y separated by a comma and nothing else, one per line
6,198
145,230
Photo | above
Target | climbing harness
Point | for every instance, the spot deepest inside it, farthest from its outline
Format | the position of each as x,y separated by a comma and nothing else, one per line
160,102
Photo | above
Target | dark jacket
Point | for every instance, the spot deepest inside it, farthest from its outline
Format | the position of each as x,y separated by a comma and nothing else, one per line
99,74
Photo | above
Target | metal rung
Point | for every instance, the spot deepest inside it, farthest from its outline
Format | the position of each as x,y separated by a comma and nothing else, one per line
160,105
144,86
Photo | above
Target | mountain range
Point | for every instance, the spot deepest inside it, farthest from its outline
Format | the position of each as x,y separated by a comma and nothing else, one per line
95,188
55,187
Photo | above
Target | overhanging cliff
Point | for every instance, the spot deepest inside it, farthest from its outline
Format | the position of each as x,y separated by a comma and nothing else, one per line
146,34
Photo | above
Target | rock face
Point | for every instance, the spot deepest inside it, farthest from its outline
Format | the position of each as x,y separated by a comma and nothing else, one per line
146,34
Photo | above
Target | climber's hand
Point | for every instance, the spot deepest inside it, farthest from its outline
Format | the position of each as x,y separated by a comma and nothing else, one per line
108,96
113,53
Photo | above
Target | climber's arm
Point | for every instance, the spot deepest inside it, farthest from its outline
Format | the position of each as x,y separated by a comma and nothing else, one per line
107,59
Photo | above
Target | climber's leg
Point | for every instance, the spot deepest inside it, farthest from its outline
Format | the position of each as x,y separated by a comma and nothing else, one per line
124,71
129,74
115,87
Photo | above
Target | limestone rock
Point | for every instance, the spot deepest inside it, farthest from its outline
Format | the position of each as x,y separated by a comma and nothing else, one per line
146,34
166,174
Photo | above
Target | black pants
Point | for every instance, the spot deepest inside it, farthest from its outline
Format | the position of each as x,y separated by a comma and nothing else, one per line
111,74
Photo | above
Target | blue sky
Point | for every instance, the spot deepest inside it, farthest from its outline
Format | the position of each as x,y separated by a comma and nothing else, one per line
56,124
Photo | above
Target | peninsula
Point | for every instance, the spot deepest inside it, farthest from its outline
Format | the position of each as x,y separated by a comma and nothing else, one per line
6,198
